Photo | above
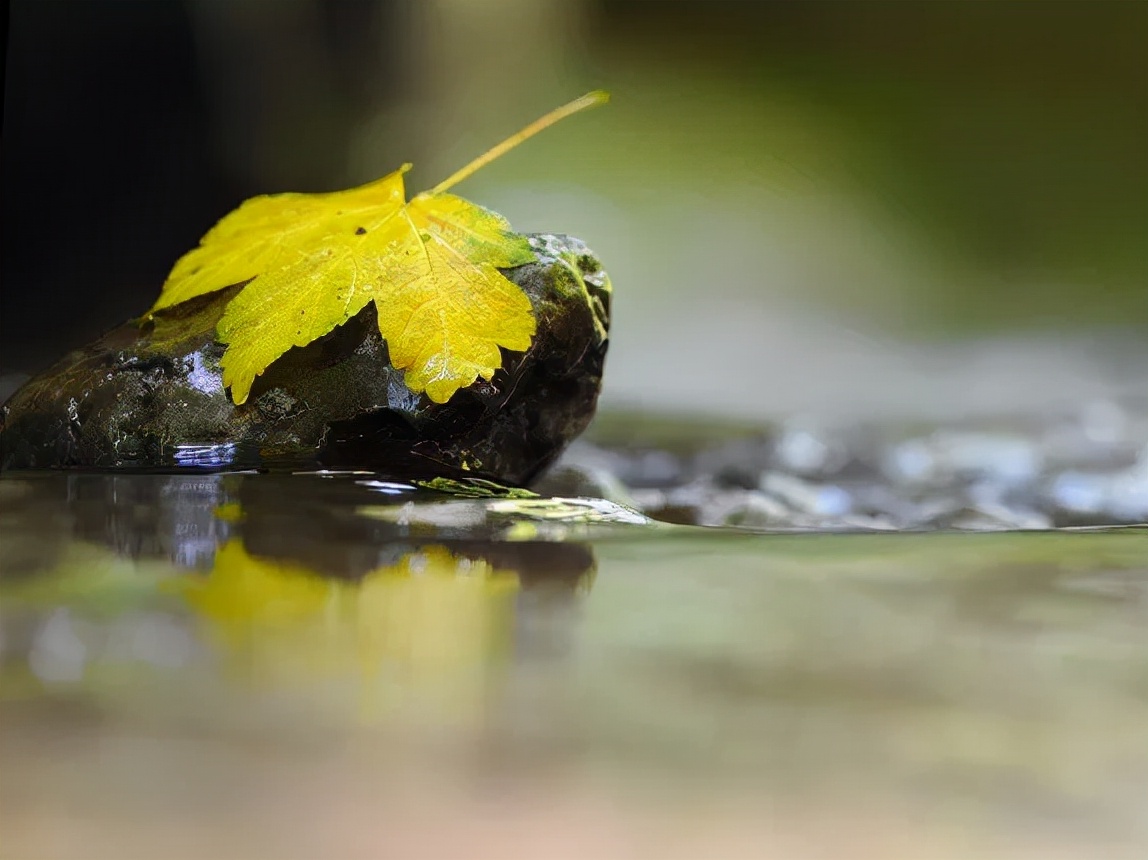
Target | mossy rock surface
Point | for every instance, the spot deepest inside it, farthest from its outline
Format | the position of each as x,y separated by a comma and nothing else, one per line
150,396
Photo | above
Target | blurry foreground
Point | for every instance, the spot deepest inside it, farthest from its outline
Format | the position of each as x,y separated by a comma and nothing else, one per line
256,667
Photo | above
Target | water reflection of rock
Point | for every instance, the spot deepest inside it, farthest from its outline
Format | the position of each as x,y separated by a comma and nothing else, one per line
329,529
327,525
287,582
170,517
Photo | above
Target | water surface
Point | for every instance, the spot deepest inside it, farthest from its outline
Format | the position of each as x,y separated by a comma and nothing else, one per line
308,666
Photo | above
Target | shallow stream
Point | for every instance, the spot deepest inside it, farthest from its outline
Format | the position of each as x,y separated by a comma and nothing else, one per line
304,666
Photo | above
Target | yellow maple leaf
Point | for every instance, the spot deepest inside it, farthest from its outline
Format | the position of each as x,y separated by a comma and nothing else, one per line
310,262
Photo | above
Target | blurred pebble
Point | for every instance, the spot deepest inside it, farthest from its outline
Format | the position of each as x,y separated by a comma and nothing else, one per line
1099,436
1087,466
948,456
1119,497
1080,492
1103,422
894,505
868,523
749,510
987,517
654,469
809,451
912,462
695,503
1131,491
634,468
736,464
572,480
647,500
826,500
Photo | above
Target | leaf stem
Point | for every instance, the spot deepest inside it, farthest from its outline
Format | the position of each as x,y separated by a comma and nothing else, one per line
591,99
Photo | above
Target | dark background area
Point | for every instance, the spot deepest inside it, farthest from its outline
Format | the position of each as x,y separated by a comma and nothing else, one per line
110,166
107,168
1010,137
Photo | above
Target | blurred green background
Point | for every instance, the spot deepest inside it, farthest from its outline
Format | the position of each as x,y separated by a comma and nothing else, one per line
828,207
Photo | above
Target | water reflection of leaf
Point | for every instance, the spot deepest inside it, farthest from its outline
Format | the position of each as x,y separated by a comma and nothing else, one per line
423,630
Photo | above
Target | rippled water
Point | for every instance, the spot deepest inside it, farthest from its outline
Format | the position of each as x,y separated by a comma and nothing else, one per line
253,666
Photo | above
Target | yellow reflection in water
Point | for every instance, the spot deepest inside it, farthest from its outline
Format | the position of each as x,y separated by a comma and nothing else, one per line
422,632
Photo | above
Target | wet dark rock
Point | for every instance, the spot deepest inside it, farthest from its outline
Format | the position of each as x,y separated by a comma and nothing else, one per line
329,525
150,396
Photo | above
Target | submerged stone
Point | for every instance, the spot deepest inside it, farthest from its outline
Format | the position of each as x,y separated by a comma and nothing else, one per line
149,395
